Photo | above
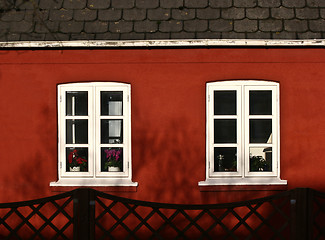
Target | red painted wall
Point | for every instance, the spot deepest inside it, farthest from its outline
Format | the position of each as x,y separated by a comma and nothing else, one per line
168,115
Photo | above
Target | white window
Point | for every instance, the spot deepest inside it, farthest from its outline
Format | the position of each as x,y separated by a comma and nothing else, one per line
94,128
242,133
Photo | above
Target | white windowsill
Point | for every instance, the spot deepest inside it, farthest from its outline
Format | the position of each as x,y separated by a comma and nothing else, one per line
243,181
117,182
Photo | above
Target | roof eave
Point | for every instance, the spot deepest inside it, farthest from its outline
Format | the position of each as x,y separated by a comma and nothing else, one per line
166,43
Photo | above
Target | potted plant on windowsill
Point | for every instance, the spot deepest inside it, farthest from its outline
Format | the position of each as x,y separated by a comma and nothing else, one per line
113,162
77,163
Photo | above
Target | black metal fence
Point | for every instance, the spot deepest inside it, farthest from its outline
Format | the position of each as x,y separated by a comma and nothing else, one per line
89,214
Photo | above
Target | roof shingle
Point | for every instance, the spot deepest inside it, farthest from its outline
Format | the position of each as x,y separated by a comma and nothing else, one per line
160,19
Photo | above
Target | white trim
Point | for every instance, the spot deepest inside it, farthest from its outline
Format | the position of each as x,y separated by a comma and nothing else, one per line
94,176
243,181
243,176
167,43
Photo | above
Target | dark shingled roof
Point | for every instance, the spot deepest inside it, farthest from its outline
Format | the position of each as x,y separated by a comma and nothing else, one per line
38,20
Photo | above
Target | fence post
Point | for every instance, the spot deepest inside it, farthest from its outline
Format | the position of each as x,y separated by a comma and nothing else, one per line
83,214
301,213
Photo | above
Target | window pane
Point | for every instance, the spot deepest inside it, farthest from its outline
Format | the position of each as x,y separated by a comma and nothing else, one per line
225,159
76,131
225,131
111,131
111,103
260,159
224,102
260,102
77,159
260,130
77,103
111,159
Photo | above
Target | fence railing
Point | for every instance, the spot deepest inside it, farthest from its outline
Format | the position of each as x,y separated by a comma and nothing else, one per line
89,214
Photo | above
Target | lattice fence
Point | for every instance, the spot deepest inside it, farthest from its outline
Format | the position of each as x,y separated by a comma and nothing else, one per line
89,214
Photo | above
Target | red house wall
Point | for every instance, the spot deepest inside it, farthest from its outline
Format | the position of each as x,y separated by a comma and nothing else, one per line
168,115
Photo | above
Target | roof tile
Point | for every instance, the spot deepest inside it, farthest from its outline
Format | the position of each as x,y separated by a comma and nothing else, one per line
98,4
60,15
134,14
159,14
183,14
220,3
284,35
208,13
315,3
195,25
307,13
295,25
96,27
147,4
85,15
294,3
157,35
183,35
282,13
75,4
22,27
317,25
171,3
120,27
221,25
233,13
50,4
245,25
71,27
246,3
270,25
123,4
171,26
12,16
145,26
109,14
132,36
196,3
269,3
257,13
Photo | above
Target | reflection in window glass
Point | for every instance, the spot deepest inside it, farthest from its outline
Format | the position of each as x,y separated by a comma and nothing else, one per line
77,103
260,102
111,131
77,159
111,159
224,102
111,103
225,159
260,159
77,131
225,131
260,130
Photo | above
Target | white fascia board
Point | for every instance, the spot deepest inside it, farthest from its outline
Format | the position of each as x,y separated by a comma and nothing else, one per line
166,43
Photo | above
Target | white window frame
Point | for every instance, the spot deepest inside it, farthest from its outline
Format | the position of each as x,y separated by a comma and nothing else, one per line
94,176
242,176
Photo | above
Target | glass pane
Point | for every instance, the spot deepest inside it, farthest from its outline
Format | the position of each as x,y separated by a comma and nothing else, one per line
77,103
111,131
111,159
225,159
225,131
260,159
260,130
260,102
77,159
225,103
111,103
77,131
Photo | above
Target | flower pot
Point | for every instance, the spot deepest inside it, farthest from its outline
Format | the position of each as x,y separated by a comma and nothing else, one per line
114,169
75,169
